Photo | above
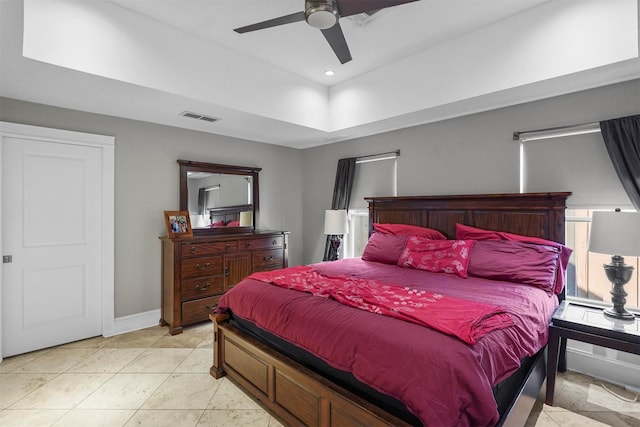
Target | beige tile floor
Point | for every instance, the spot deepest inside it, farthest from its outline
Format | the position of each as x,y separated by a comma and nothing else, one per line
142,378
150,378
583,401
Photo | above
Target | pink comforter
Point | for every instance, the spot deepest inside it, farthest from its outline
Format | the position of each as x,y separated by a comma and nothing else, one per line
440,379
464,319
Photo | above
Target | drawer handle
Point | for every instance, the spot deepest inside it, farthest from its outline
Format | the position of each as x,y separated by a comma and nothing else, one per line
193,249
227,246
226,271
206,266
268,258
210,307
206,286
246,245
274,242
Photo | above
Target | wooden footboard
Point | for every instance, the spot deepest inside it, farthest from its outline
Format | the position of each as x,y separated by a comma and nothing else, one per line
299,396
289,390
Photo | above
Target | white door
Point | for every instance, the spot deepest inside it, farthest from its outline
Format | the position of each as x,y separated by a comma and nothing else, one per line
52,230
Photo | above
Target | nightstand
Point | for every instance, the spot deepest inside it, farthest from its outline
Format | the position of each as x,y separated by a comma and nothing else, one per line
590,325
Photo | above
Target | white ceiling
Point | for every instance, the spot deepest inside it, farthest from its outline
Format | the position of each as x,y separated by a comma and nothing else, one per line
415,63
390,34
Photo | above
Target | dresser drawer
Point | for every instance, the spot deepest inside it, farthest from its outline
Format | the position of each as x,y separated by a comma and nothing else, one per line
263,243
214,248
197,271
267,260
198,310
202,287
201,267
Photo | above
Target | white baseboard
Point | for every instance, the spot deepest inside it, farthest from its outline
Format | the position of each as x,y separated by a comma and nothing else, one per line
603,366
132,322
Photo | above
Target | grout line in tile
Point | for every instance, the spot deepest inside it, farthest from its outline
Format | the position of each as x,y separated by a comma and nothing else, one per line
154,336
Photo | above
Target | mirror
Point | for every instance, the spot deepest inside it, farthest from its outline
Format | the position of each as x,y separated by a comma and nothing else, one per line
219,198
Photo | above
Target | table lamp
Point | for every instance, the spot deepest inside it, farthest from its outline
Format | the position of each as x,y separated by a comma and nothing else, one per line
335,225
197,221
616,233
246,218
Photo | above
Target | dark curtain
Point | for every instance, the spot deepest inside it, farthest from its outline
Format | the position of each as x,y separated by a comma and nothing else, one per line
202,201
341,193
622,139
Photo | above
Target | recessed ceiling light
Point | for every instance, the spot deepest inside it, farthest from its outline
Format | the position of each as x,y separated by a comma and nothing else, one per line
329,73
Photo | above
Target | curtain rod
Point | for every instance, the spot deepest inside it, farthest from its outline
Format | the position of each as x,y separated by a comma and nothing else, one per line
396,152
517,135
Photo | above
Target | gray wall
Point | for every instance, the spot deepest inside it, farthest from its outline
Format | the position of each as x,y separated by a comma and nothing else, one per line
146,184
471,154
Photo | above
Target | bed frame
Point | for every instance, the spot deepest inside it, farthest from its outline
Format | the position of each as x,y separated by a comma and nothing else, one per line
299,396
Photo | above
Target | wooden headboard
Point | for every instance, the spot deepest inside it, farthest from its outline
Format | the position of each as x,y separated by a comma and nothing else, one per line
530,214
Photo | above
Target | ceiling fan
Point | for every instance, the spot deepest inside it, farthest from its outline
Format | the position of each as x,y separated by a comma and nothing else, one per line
324,15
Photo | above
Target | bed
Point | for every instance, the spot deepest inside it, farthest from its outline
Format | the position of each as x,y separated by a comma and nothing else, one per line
227,216
333,364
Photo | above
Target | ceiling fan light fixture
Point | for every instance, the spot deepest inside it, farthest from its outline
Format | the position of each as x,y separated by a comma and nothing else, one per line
324,15
321,14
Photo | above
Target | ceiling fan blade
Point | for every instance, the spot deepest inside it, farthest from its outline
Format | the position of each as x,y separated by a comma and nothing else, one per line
353,7
336,40
287,19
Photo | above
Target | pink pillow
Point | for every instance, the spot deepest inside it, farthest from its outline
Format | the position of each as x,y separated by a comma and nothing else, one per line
218,224
233,224
467,232
447,256
409,230
512,261
385,248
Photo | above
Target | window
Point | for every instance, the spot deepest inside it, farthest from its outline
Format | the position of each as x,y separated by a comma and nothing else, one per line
356,240
576,163
580,164
374,176
586,278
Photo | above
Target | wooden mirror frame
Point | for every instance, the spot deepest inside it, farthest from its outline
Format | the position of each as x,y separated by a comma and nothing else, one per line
191,166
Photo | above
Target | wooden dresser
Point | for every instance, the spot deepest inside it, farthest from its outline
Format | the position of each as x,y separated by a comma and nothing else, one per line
196,271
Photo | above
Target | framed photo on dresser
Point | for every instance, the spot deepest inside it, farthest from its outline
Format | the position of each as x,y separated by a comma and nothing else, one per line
178,224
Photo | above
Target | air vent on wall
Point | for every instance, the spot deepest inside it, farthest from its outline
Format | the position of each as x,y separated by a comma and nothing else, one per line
199,116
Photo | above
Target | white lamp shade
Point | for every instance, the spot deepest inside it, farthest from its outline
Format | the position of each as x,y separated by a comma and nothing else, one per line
615,233
197,221
245,218
335,222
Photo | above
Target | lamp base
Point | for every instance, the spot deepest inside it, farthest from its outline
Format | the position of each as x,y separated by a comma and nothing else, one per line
619,314
619,274
334,249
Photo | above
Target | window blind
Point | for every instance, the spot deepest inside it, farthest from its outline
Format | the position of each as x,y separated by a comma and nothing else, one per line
373,178
577,163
